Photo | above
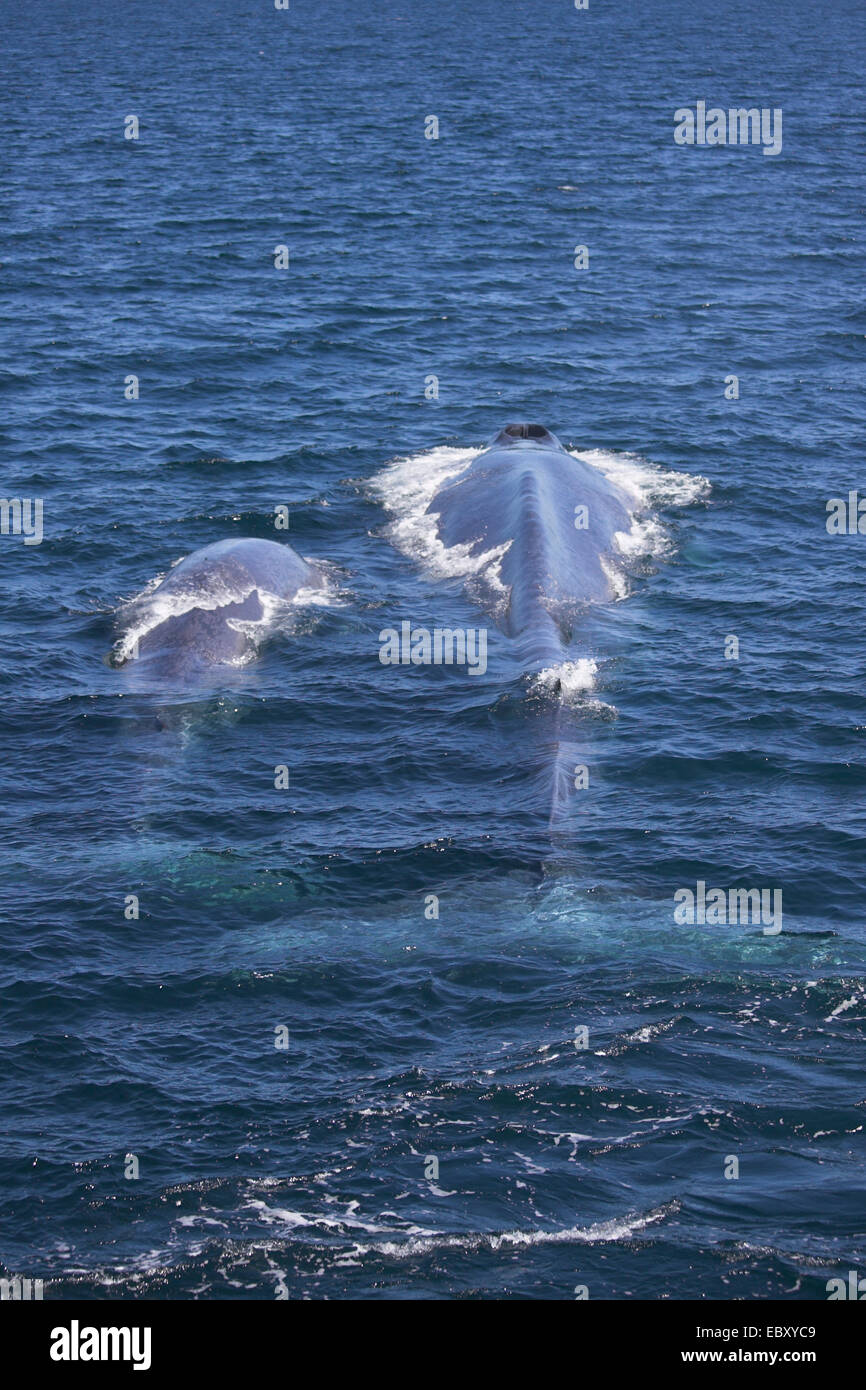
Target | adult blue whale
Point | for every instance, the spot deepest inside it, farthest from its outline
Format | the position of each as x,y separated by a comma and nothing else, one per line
556,515
213,608
553,519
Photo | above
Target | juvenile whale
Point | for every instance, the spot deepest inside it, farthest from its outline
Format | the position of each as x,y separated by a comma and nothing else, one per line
213,608
554,516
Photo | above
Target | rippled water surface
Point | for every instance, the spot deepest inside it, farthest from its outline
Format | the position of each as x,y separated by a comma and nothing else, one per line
410,1038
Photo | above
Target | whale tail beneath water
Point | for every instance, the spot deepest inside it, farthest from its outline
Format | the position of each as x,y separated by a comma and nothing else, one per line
565,756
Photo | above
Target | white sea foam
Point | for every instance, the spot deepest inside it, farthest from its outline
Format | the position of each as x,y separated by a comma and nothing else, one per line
569,678
406,488
647,483
842,1008
648,487
616,577
599,1232
412,1240
330,592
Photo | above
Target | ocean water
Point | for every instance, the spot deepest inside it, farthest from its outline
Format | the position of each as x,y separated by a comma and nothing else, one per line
434,1129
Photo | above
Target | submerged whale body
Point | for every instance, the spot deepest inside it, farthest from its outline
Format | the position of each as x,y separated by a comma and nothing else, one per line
213,608
556,515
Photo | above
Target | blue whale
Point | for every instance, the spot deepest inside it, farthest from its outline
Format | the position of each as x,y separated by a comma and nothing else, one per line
553,519
212,608
557,516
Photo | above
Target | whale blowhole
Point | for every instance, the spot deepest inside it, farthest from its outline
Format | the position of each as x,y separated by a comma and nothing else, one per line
521,430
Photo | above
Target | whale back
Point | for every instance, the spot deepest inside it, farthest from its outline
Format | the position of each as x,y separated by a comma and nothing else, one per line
205,611
524,494
228,571
555,518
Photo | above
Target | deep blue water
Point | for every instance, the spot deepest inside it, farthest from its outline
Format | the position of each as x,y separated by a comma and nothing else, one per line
305,1170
